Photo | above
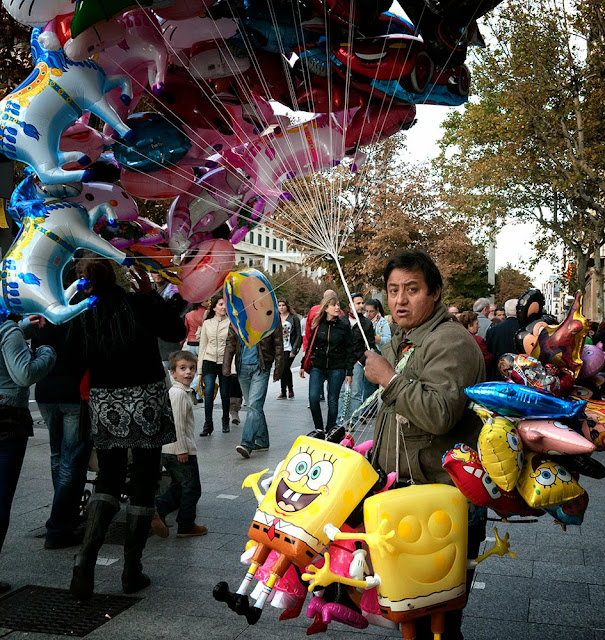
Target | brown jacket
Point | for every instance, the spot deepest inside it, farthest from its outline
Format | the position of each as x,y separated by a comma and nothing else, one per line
429,393
270,349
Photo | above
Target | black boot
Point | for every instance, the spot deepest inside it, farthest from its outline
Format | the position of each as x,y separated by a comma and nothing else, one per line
138,522
207,429
226,428
102,507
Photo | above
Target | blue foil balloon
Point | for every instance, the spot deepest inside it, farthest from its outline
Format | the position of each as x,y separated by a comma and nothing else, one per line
155,143
518,401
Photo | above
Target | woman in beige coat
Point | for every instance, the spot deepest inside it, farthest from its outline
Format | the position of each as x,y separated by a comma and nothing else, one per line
212,337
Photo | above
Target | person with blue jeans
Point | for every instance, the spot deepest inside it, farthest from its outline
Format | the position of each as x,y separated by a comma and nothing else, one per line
253,366
58,399
382,336
19,369
331,355
359,347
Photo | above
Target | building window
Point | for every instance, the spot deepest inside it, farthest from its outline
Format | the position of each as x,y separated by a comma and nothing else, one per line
281,245
267,242
250,262
281,267
273,268
251,240
260,240
274,244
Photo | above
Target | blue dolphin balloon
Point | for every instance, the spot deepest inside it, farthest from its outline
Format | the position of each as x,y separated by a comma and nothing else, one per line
519,401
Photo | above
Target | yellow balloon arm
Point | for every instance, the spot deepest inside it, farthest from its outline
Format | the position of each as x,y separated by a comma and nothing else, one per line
377,540
501,548
251,482
324,576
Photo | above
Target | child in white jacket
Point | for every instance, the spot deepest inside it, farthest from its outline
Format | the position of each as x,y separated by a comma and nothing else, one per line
180,458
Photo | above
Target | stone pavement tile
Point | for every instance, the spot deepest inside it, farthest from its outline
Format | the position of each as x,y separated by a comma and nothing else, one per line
502,597
506,567
594,556
165,625
597,596
540,551
489,629
285,630
521,533
599,634
570,539
571,613
571,573
4,632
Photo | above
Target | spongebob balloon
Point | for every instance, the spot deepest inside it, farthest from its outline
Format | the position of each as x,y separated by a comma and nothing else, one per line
251,305
318,483
500,449
544,483
418,547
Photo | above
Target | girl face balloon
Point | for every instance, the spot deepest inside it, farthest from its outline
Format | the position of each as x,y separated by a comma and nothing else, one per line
251,305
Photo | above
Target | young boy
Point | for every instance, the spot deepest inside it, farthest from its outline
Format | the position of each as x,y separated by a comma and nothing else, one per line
180,457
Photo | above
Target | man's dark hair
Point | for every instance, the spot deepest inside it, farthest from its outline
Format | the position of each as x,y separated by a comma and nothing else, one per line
356,295
416,260
499,309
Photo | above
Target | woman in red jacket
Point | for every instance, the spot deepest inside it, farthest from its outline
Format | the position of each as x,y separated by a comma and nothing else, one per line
470,320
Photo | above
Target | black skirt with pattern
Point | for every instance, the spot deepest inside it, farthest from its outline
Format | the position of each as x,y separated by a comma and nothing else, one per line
132,417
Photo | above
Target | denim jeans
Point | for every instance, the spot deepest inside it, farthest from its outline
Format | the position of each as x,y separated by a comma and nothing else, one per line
12,452
223,385
144,474
68,465
254,384
356,394
183,493
317,377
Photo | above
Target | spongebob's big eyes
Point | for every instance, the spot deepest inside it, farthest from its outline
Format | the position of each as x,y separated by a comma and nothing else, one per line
546,477
299,466
491,486
409,529
320,475
440,524
513,441
562,473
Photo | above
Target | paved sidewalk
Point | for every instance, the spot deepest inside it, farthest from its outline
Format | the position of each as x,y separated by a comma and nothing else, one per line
553,590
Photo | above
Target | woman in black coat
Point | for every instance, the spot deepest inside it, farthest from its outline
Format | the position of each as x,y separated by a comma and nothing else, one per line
129,409
331,355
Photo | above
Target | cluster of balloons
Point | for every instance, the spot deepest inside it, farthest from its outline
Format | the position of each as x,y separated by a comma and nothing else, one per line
542,425
214,145
328,523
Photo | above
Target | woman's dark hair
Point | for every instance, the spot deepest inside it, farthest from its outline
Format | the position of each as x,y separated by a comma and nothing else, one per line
416,260
288,307
212,309
374,302
110,324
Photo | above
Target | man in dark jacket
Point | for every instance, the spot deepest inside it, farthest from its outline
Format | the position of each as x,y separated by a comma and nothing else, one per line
253,369
359,348
500,338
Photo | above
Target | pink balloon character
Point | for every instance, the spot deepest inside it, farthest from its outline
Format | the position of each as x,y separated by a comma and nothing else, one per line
159,185
204,269
182,34
181,9
553,437
80,137
593,360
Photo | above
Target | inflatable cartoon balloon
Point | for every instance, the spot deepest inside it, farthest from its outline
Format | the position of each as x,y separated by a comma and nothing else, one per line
500,449
530,306
593,360
544,483
306,494
562,345
52,97
251,305
553,437
204,269
32,270
517,401
570,512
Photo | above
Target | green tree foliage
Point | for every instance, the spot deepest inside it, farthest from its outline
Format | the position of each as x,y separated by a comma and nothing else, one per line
510,283
530,145
301,291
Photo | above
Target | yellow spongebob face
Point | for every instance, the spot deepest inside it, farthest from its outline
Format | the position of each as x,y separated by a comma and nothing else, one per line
319,483
429,562
501,452
544,483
